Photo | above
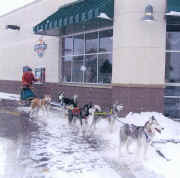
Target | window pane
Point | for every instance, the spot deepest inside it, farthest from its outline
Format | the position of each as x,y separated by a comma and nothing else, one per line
173,41
172,107
67,65
172,91
172,102
91,69
77,74
172,72
105,68
98,68
91,42
67,46
105,41
79,44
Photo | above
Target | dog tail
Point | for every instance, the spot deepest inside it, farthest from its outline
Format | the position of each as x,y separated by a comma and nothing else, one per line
75,97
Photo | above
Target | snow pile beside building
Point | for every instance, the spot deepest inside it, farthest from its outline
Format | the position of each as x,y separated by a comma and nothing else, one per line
154,166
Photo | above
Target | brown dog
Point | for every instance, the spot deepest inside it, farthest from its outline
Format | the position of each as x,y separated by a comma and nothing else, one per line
37,104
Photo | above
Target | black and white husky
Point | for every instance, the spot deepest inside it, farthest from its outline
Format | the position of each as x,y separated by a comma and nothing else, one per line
141,135
64,101
80,113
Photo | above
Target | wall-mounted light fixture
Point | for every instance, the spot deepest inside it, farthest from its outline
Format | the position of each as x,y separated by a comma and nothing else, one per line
104,16
13,27
148,14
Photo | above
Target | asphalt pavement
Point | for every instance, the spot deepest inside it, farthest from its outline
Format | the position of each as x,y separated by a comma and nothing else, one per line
31,148
14,127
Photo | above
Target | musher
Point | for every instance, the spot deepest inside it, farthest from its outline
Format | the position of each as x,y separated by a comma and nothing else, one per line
28,78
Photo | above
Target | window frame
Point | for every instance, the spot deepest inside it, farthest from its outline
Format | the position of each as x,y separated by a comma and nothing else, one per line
174,112
84,54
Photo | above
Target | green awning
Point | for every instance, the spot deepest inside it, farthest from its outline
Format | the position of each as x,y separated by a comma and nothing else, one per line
173,5
79,12
173,15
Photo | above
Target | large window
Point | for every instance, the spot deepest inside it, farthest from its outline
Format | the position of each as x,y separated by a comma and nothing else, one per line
172,75
87,57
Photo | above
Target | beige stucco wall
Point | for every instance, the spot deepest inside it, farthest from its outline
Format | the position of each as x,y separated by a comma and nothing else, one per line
17,47
138,46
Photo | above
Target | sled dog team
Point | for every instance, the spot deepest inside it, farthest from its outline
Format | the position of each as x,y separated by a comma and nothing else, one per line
129,133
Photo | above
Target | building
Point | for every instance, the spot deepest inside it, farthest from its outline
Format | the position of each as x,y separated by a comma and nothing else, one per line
102,50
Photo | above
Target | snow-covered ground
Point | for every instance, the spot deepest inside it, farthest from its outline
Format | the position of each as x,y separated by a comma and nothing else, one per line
114,165
8,96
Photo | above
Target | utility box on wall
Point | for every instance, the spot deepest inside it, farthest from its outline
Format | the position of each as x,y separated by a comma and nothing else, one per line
40,74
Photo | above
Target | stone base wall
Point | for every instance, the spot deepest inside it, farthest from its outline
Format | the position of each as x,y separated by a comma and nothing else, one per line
100,96
134,99
139,99
10,86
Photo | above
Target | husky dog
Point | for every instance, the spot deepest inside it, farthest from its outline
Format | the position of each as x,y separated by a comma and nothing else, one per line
37,104
98,115
142,135
79,113
116,109
67,101
85,112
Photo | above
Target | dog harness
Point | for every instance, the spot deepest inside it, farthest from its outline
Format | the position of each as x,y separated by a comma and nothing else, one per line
103,113
76,110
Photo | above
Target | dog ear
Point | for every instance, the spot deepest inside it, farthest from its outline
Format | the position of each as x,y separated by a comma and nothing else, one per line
61,93
153,118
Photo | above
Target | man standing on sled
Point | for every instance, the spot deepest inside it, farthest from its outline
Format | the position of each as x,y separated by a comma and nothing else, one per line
28,78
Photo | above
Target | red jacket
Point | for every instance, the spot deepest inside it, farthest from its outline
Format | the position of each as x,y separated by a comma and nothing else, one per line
27,79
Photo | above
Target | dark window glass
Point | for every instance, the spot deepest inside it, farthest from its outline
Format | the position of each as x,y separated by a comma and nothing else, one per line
104,68
173,41
91,69
79,44
67,67
67,46
172,71
105,41
172,101
81,61
172,91
91,42
172,75
77,74
172,107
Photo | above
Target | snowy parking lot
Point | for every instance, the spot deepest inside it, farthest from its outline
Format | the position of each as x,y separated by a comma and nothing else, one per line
53,149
